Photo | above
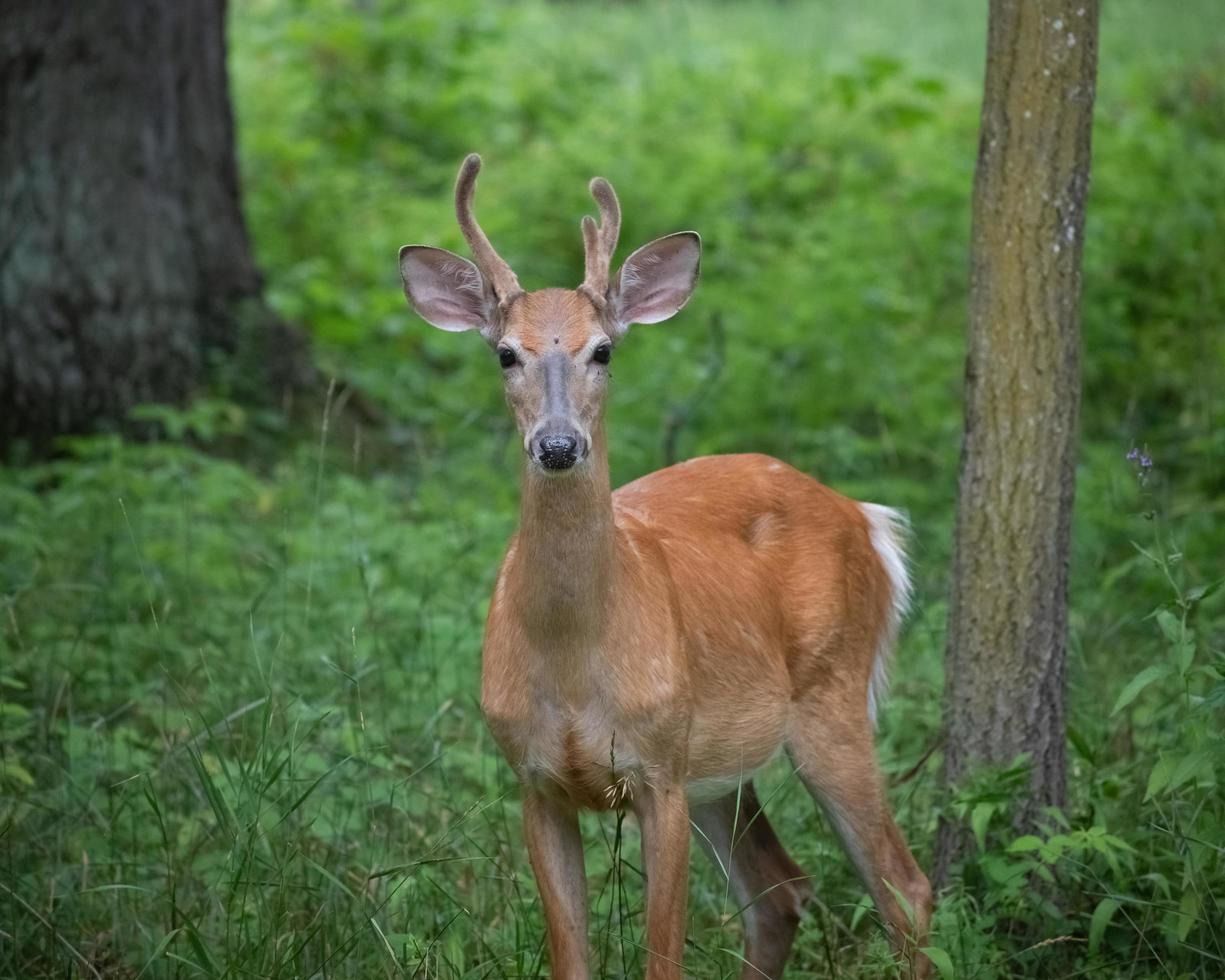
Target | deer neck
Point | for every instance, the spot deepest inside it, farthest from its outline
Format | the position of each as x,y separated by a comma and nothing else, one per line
565,555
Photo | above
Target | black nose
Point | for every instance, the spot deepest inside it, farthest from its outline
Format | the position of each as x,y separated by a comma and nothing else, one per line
558,452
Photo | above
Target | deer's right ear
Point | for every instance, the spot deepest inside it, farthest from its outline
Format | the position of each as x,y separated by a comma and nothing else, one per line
445,290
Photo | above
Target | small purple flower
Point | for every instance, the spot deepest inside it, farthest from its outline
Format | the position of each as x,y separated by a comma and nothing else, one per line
1143,463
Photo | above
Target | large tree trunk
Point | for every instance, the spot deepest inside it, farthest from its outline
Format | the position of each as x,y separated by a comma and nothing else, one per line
124,259
1008,617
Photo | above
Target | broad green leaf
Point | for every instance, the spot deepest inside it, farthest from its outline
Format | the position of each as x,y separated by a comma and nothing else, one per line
979,820
1184,653
1170,625
17,773
1159,778
1056,845
861,909
1198,763
1005,872
1215,698
1027,842
1102,915
1201,592
1082,746
1188,911
1160,882
941,961
1138,684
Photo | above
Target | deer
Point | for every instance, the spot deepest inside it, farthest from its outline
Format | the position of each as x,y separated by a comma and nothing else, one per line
649,650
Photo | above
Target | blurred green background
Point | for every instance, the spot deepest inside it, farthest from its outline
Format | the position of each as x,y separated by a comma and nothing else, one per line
238,716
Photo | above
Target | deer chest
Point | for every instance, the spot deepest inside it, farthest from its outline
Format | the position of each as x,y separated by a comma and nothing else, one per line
585,755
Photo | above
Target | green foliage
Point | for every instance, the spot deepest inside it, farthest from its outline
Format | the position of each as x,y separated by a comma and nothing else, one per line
1150,889
238,722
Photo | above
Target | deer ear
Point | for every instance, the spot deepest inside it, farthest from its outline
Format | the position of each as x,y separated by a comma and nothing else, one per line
445,290
657,280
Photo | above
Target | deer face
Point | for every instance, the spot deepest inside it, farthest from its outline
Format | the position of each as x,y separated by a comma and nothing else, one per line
554,346
554,353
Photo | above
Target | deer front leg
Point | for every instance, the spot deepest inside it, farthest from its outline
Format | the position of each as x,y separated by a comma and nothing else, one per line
664,817
555,849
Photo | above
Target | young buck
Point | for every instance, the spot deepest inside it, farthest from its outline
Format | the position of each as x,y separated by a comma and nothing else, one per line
650,649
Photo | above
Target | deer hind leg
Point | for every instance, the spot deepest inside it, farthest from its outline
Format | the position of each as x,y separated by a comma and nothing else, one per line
767,884
835,756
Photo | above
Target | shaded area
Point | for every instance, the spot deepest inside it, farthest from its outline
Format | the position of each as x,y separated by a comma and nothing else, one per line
125,265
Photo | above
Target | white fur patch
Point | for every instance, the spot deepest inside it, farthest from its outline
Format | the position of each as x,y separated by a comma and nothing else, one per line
889,530
716,787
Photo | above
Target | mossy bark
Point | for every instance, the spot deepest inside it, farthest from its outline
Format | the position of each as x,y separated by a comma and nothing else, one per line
124,258
1007,639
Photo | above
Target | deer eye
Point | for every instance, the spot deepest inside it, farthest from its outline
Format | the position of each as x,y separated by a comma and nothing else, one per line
506,357
602,354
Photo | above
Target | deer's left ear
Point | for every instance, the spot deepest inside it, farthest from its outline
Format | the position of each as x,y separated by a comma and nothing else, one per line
657,280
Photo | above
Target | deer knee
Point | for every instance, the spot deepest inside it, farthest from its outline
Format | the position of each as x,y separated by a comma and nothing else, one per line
919,894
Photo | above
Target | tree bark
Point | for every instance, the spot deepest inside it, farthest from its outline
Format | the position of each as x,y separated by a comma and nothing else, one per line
1007,639
124,258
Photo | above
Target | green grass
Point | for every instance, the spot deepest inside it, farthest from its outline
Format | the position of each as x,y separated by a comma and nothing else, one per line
238,724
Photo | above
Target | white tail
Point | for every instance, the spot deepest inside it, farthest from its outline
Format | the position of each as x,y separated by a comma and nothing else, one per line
650,649
889,531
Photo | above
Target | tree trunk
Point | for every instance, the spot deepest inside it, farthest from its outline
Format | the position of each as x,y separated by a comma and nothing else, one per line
1007,639
124,259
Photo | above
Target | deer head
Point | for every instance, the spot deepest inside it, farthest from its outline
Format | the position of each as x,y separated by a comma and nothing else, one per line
554,345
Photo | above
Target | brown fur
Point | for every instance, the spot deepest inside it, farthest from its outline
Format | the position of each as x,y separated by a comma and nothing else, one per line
650,649
682,630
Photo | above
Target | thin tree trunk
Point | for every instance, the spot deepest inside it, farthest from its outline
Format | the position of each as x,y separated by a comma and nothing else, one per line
1007,639
124,259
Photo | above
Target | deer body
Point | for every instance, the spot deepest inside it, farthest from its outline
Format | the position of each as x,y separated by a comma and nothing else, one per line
650,649
744,560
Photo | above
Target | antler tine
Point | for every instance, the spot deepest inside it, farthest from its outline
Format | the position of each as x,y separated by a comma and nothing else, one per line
600,243
493,267
610,214
591,254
